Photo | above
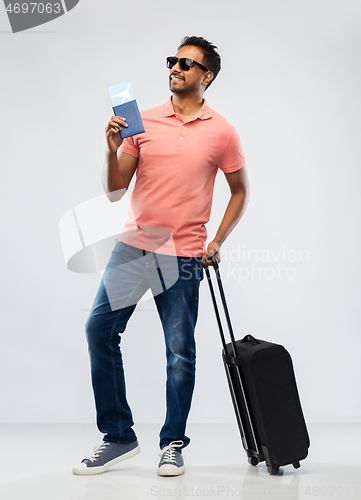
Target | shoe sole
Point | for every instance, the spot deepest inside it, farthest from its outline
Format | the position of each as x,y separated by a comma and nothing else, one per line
86,471
170,470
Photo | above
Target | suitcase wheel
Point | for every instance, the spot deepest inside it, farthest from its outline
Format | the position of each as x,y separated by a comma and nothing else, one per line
253,460
273,470
296,465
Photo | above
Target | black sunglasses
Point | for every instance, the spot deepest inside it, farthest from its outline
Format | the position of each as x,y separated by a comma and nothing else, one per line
185,64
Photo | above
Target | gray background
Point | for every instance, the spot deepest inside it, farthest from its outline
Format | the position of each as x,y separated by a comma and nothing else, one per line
290,84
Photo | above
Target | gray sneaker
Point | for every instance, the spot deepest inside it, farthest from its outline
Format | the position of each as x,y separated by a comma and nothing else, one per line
105,456
171,463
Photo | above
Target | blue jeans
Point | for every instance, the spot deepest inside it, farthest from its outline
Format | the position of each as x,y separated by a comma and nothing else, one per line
132,271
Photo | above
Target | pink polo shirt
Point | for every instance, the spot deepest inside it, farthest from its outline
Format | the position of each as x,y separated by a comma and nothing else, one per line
178,162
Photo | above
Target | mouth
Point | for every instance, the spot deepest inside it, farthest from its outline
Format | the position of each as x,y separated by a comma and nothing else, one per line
175,78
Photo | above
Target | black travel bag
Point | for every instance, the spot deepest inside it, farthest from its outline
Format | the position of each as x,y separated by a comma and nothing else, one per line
264,394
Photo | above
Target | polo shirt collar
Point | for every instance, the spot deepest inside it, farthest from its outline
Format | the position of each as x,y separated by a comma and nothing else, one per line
203,114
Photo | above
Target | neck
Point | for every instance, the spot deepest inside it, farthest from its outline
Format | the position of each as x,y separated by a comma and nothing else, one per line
187,106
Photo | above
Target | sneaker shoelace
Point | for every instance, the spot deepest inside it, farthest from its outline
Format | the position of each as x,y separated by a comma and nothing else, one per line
169,456
99,451
168,453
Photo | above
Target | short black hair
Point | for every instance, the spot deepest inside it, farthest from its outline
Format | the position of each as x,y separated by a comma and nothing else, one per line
211,57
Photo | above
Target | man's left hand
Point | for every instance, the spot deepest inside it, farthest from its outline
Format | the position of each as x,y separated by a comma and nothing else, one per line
212,249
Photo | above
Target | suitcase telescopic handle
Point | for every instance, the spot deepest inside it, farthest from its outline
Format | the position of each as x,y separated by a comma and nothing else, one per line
248,337
234,349
225,307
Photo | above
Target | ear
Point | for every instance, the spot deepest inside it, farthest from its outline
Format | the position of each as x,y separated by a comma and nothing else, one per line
207,78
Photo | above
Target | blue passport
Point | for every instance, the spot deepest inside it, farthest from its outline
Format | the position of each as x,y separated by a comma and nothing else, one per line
130,111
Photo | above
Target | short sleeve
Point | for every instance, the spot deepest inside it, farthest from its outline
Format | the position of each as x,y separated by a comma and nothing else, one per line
232,158
130,146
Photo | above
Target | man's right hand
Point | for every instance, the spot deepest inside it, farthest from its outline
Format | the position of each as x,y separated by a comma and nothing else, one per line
112,134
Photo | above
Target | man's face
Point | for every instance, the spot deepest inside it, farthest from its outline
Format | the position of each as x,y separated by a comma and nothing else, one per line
187,82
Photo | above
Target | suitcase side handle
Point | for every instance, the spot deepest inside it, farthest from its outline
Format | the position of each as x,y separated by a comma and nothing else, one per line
250,338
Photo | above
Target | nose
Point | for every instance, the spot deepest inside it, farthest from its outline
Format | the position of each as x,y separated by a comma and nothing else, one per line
175,67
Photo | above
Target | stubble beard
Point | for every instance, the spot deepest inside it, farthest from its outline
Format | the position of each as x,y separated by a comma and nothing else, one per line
185,90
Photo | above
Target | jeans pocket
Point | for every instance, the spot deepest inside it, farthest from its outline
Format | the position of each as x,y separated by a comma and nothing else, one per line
199,272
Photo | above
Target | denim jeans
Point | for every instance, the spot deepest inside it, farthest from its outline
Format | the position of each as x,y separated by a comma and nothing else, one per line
132,271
